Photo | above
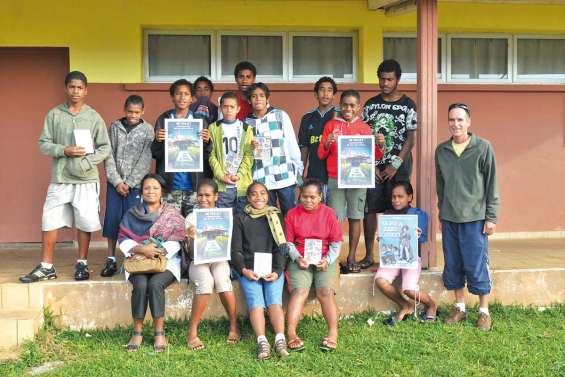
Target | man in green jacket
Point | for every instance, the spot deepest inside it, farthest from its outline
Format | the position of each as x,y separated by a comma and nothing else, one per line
468,209
75,136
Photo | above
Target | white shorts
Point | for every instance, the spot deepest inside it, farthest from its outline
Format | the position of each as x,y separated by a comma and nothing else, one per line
66,201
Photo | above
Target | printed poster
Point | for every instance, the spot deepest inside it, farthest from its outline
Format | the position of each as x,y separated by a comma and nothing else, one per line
83,138
356,161
213,235
312,251
263,150
398,241
184,148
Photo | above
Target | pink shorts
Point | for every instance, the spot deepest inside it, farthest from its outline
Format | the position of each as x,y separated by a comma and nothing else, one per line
410,277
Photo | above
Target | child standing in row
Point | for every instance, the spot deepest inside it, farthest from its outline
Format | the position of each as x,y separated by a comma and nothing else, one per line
350,202
279,171
128,162
231,158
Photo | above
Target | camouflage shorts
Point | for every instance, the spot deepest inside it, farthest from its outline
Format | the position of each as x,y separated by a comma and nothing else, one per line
183,201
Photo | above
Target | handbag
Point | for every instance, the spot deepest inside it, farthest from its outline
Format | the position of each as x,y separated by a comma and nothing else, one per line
140,264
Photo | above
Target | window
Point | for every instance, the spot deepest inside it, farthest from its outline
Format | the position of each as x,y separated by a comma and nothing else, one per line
479,58
540,59
171,56
315,56
403,49
278,56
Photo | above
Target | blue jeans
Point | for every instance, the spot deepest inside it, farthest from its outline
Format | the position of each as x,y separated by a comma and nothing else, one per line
261,293
286,197
465,250
229,199
116,208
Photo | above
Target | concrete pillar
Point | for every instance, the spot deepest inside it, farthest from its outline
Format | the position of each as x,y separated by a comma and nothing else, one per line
427,120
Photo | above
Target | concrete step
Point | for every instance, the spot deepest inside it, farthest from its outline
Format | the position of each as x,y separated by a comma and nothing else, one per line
17,326
17,296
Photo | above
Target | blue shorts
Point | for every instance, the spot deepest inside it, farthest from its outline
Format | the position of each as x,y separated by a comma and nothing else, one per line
229,199
116,208
465,251
261,293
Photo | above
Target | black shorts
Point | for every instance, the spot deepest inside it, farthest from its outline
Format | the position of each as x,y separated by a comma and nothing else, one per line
379,198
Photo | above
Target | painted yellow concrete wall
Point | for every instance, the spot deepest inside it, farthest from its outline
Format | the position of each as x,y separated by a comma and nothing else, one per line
105,37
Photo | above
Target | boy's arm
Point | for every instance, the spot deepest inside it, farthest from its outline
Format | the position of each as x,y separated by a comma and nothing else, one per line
246,165
303,141
110,163
158,147
46,143
292,145
323,153
143,164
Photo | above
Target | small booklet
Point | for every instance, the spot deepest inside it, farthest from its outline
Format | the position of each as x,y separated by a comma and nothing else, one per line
83,138
263,264
312,251
232,162
263,150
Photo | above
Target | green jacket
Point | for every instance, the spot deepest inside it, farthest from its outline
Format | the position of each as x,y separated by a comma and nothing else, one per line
245,172
466,185
57,134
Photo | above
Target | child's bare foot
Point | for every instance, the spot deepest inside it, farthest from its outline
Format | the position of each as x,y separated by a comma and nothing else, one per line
233,337
404,311
195,344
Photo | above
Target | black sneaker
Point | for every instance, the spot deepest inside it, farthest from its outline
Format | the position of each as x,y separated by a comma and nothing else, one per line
39,273
110,268
81,271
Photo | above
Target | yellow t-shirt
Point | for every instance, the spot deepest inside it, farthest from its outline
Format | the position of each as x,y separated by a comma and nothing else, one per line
459,148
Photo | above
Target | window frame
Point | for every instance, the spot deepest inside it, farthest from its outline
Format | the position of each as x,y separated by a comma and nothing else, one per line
310,78
244,33
538,78
411,77
170,78
509,58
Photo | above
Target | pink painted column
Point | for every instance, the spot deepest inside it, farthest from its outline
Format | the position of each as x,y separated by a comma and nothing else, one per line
427,121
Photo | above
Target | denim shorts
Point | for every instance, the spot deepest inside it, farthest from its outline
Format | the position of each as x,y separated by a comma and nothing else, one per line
261,293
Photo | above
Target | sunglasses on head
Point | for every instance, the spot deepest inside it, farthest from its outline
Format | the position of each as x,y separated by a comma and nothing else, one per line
460,106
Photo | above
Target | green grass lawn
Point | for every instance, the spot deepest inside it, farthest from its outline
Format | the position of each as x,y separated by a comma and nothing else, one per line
523,342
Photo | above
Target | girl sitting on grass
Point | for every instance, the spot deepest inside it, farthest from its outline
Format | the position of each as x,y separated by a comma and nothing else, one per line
256,232
402,194
206,277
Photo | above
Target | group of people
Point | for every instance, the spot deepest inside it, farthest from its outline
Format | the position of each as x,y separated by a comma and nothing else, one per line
142,207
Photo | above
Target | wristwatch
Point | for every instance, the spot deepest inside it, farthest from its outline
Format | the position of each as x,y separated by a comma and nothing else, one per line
395,162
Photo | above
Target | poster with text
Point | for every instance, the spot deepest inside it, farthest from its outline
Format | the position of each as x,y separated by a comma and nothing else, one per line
183,145
398,241
355,161
213,235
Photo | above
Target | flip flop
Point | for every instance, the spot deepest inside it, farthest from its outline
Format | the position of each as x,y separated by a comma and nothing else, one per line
426,318
159,347
296,345
328,345
365,264
196,344
353,268
233,338
134,347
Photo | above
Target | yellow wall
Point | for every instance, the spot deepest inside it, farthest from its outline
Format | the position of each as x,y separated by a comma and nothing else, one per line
105,37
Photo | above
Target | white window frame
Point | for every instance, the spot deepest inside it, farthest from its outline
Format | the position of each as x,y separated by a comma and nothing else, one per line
310,78
267,78
510,59
170,78
412,77
538,78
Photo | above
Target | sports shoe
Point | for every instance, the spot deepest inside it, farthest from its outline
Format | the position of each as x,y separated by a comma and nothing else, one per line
484,322
281,348
110,268
39,273
81,271
455,316
263,350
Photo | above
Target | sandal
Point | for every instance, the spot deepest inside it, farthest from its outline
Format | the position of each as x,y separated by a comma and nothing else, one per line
426,318
353,268
233,338
196,344
159,347
328,345
130,347
365,264
296,345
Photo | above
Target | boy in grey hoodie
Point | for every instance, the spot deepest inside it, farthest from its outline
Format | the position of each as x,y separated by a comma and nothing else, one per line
75,136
